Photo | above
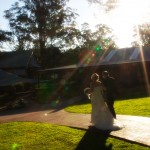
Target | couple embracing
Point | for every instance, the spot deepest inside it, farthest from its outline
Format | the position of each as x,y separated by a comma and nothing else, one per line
102,99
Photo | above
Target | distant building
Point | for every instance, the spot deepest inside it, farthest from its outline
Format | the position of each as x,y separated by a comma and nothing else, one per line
130,67
21,63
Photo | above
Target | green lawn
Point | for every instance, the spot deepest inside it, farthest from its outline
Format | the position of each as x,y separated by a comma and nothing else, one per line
43,136
138,107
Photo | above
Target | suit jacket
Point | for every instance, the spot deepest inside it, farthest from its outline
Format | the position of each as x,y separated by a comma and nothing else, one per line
109,83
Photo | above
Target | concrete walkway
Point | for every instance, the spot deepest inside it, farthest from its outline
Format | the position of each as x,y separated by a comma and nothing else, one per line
137,129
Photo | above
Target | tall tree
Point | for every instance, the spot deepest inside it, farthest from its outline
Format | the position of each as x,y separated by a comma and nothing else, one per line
18,21
42,23
95,43
142,35
87,36
102,38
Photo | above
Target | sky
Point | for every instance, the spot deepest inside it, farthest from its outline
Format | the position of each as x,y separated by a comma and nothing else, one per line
122,19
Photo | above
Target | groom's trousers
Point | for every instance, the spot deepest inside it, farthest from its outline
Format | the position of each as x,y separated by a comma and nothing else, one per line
110,104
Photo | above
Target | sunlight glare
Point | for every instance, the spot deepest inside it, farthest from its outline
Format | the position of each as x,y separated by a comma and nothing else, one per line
45,114
144,65
122,19
128,14
133,11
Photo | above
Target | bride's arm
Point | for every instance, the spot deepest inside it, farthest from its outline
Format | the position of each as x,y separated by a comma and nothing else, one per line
88,91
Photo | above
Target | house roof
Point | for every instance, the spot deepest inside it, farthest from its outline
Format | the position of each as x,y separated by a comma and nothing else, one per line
17,59
11,79
126,55
59,68
112,57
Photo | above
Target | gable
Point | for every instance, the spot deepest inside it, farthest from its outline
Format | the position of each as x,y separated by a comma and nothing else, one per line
127,55
17,59
7,79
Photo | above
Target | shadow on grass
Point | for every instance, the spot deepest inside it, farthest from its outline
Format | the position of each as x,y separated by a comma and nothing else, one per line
94,139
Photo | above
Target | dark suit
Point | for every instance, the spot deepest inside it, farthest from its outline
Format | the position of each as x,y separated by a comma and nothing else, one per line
109,83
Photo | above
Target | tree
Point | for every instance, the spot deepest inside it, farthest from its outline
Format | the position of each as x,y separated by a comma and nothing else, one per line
142,35
104,38
70,56
94,43
101,39
51,57
5,36
18,21
108,5
87,36
42,23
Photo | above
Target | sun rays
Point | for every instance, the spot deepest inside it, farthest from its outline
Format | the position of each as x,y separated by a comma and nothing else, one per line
122,19
143,64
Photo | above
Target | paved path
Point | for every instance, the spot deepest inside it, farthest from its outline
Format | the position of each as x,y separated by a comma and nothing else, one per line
137,129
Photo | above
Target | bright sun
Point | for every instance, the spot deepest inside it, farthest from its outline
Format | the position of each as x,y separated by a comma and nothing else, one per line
126,15
133,11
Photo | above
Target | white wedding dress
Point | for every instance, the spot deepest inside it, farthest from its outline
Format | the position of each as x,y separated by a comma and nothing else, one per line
101,117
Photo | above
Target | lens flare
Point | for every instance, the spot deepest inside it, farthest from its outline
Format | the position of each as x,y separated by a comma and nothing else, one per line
15,146
143,64
97,48
107,41
55,103
93,54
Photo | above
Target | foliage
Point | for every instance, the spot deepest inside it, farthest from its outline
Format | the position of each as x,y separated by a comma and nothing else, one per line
5,36
138,107
104,37
46,92
31,136
142,35
95,43
101,39
51,57
48,25
70,57
42,23
108,5
87,39
52,92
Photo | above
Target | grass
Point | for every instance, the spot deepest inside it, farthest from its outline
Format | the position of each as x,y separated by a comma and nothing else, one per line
52,91
43,136
37,136
137,107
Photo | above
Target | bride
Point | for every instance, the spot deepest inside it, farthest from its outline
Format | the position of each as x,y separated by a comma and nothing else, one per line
101,117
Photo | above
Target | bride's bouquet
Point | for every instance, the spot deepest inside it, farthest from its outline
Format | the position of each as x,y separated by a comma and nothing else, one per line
88,91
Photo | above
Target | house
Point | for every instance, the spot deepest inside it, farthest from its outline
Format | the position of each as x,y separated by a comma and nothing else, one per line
130,66
12,83
21,63
7,79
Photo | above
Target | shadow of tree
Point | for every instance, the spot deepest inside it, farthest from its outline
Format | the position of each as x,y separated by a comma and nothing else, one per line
94,139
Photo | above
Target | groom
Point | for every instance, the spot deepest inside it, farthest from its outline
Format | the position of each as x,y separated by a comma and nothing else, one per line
109,83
